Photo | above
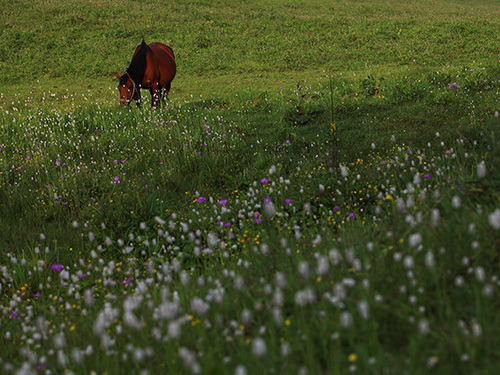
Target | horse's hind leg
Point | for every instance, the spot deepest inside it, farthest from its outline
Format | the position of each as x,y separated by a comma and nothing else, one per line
167,90
155,91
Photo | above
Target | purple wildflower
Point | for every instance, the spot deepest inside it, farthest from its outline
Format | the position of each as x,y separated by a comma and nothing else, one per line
352,215
56,267
336,208
264,181
267,200
222,202
201,199
289,201
15,315
453,86
41,366
427,176
36,295
128,281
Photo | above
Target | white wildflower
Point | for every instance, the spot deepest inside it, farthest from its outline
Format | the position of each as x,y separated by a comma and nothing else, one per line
304,269
435,217
345,319
269,209
481,169
240,370
189,359
343,170
415,239
456,202
423,327
480,274
323,265
364,309
429,259
285,349
160,221
212,240
174,329
494,219
199,306
259,348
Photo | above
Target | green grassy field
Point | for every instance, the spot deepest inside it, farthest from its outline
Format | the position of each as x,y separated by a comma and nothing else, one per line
315,198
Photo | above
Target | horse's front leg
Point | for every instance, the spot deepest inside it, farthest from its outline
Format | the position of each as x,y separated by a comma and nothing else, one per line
139,100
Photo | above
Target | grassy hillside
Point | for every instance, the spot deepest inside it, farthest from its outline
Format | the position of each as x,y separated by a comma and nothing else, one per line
320,195
78,45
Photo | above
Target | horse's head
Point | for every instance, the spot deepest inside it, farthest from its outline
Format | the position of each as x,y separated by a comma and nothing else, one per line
128,89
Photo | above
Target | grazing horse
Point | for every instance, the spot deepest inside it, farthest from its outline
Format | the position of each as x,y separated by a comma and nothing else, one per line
152,67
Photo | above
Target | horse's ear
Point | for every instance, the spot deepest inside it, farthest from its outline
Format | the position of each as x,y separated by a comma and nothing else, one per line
118,76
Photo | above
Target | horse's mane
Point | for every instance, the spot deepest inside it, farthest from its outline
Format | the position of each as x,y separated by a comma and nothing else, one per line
137,66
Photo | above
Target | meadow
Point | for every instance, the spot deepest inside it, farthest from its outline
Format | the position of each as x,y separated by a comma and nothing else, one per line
320,195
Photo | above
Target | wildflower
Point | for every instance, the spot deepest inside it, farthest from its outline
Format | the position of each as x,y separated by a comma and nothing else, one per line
423,327
267,200
199,306
427,176
323,265
240,370
116,180
41,366
304,297
56,267
364,309
201,200
304,269
481,169
352,357
494,219
285,349
480,274
128,280
336,208
456,202
222,202
264,181
269,209
453,86
15,315
429,259
189,359
352,215
288,201
259,348
435,217
343,171
345,319
415,239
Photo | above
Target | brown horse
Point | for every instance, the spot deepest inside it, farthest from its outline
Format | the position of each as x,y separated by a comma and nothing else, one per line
152,67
